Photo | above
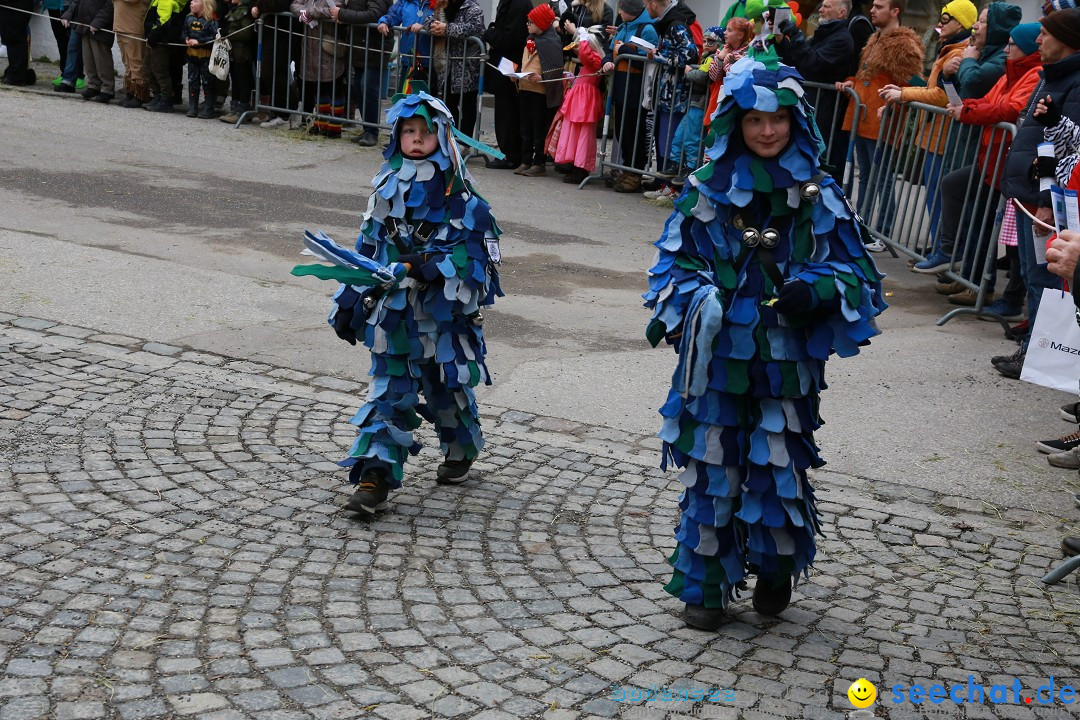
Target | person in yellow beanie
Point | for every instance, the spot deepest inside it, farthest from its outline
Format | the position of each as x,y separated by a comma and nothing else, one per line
954,33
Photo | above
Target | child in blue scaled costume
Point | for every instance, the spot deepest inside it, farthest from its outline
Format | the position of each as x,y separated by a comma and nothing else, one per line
761,275
424,333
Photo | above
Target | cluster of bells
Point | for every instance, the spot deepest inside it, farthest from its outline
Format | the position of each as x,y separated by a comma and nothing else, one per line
770,237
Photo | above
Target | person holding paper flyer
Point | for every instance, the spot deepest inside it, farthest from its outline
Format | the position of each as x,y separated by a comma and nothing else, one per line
1059,47
954,27
629,116
1003,103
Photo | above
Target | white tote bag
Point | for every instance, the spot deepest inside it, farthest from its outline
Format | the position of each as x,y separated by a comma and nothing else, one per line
219,58
1053,355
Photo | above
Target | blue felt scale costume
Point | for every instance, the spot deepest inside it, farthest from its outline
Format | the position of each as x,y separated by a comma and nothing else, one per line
743,407
423,329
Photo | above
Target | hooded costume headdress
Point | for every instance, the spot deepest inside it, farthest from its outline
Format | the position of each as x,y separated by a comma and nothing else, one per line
734,172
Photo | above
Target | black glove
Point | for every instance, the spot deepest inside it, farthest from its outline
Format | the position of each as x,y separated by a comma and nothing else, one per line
1046,167
795,297
343,318
787,27
1052,116
418,261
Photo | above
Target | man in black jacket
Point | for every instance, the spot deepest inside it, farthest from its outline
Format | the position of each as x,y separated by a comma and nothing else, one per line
14,35
506,38
824,58
1059,47
370,59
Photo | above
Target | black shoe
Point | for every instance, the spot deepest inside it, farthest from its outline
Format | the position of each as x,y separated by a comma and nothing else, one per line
206,112
1001,359
575,175
368,139
772,595
1018,332
500,165
703,618
1070,412
452,472
63,88
1070,546
1011,369
1062,444
563,167
193,110
89,93
371,494
131,102
102,98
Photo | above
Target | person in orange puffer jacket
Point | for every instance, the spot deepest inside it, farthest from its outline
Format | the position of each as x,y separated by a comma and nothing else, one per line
893,55
1004,103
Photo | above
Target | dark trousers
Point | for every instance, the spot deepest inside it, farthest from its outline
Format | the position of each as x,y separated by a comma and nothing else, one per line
198,76
14,35
507,119
536,119
967,218
161,83
277,50
462,105
177,63
1014,290
242,73
629,119
62,35
370,85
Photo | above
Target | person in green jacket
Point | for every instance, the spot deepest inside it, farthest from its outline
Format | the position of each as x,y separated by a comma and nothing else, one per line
162,24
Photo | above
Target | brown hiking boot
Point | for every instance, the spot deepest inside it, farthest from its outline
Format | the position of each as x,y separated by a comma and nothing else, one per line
628,183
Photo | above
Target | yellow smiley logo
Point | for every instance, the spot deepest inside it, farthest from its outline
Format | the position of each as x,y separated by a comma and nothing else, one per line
861,693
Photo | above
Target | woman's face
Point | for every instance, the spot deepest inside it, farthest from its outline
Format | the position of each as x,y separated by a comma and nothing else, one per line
417,141
766,134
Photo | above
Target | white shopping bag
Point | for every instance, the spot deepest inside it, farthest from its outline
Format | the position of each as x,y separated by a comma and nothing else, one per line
1053,354
219,58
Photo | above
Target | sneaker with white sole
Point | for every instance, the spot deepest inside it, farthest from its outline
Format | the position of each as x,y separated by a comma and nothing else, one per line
658,192
274,122
371,494
1070,459
1062,444
1070,412
876,246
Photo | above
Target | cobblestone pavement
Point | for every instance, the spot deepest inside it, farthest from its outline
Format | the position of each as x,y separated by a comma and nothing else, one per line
172,544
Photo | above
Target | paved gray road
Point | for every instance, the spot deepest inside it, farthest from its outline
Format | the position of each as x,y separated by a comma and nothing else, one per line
171,536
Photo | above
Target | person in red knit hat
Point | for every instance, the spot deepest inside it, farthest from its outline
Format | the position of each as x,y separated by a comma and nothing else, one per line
540,93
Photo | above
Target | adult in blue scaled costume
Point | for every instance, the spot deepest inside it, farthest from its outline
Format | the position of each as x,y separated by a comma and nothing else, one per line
761,275
427,223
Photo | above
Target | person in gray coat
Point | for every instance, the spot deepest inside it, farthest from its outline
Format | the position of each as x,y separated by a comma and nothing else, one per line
95,21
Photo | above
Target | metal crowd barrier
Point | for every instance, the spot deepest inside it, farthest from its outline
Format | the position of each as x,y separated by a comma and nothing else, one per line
634,140
830,105
326,95
927,188
636,128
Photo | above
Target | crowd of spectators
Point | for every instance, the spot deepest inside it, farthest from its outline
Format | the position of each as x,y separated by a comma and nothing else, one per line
663,73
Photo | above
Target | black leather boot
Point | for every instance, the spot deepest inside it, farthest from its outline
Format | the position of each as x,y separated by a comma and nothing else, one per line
193,105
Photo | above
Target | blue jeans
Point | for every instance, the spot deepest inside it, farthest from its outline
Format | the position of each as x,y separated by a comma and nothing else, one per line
932,180
73,69
369,88
1036,277
868,155
687,140
665,124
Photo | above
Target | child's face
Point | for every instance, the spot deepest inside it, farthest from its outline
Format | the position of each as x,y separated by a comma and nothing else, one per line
767,133
533,29
196,8
417,141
